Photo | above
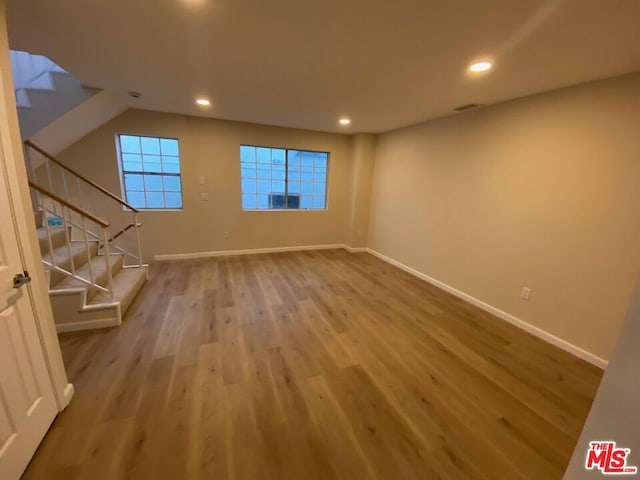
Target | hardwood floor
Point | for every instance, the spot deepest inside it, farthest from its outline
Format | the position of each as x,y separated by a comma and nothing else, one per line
312,365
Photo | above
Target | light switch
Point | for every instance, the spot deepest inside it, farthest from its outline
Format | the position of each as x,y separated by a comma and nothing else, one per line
204,197
201,180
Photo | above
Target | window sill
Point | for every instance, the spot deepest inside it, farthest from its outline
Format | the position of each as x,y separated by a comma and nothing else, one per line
285,209
141,210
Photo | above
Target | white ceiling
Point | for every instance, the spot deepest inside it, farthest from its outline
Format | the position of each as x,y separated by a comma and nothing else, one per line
303,63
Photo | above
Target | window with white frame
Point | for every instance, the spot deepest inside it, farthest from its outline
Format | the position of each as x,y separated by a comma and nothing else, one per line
283,179
150,168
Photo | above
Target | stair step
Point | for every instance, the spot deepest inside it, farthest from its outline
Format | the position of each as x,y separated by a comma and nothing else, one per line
61,254
22,99
126,285
58,237
97,264
44,83
47,106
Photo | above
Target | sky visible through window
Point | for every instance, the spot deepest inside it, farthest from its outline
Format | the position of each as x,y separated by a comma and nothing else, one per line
151,171
278,178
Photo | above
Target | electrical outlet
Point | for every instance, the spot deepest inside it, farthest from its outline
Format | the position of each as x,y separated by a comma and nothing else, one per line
204,197
225,234
200,180
525,293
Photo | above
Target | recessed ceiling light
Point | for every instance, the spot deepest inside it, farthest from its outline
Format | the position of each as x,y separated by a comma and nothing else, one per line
345,121
203,102
480,67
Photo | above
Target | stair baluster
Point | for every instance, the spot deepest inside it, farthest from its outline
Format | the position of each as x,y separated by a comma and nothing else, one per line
101,220
68,239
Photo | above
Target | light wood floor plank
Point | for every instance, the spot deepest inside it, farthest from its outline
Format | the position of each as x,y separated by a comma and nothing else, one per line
312,365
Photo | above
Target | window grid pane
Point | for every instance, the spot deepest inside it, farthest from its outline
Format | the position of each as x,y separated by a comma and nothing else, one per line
277,178
151,171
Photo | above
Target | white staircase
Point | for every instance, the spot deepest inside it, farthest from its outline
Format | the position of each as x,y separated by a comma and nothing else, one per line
44,91
87,241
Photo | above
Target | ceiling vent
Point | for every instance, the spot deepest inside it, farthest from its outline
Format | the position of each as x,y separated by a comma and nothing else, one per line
467,107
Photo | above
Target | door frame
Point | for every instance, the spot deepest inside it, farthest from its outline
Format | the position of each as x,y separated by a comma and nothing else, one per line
22,210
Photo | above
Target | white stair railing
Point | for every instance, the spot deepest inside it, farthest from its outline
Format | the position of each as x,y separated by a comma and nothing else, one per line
122,233
50,204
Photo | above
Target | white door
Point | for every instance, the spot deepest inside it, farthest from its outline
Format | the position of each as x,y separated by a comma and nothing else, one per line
27,404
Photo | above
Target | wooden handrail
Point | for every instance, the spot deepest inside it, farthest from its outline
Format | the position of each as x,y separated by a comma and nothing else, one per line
71,206
123,231
85,179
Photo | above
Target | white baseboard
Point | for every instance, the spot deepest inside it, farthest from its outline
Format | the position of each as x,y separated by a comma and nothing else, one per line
354,249
67,394
87,325
548,337
250,251
558,342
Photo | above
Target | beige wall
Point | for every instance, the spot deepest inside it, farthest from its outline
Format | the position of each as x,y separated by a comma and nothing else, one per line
541,192
210,148
364,147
